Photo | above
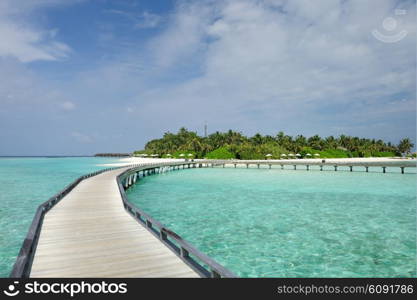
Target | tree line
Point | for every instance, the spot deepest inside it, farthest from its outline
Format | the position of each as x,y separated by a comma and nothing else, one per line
233,144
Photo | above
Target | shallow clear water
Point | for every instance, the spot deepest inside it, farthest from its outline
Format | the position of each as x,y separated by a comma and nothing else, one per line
285,223
24,184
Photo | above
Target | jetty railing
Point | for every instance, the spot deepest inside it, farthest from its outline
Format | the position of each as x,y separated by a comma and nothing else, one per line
208,267
23,263
198,261
384,165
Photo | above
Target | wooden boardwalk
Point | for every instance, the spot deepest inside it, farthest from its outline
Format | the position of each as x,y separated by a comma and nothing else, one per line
90,234
90,229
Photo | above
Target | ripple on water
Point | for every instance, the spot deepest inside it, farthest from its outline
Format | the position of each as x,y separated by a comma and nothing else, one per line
25,183
284,223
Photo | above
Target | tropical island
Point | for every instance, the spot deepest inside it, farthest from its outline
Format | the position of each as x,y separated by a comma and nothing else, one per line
235,145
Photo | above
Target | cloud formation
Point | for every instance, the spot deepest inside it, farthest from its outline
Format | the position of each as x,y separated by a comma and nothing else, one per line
21,39
301,66
268,63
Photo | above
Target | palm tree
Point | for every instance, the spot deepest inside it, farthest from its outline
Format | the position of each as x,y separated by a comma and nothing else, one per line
257,139
405,146
315,142
258,145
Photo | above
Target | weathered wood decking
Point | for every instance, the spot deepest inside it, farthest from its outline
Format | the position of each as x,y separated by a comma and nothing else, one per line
89,234
90,229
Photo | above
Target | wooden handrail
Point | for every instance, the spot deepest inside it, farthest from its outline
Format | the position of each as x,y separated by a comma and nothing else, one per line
172,240
23,263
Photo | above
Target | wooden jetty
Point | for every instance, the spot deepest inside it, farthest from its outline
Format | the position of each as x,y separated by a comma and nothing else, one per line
85,231
90,229
305,164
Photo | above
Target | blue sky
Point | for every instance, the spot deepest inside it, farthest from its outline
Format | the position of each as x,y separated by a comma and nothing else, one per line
85,76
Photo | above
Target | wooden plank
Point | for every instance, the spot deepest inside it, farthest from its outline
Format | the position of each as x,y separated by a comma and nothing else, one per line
89,234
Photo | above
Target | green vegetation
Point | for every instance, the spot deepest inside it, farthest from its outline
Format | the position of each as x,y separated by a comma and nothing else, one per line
221,153
234,144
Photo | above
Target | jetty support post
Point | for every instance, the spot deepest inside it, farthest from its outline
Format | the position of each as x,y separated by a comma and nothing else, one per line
367,169
295,167
308,167
214,274
321,167
184,252
335,168
163,235
402,170
351,168
384,169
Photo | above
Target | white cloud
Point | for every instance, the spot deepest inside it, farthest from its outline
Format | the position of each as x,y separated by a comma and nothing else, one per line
22,39
149,20
68,105
283,60
183,36
143,20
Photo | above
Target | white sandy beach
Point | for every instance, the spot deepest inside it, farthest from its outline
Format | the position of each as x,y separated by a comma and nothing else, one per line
139,160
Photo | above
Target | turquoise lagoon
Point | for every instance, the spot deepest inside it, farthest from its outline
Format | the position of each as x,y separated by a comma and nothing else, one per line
286,223
24,184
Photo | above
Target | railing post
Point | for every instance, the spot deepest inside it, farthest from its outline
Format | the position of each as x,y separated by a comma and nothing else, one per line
148,224
163,235
214,274
184,252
